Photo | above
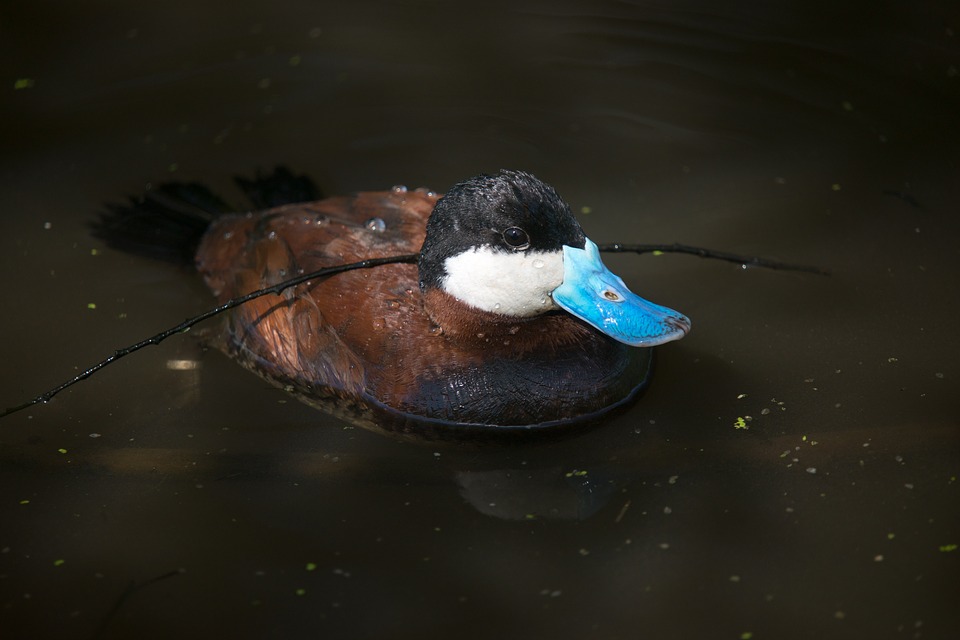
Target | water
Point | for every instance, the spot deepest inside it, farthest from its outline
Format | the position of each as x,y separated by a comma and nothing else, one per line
792,471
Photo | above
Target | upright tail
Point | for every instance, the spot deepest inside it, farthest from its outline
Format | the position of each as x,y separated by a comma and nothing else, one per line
168,221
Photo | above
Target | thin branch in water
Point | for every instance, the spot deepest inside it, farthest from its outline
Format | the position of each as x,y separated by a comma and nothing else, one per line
129,591
752,261
186,324
375,262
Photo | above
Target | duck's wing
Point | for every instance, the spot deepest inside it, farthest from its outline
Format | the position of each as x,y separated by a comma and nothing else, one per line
321,335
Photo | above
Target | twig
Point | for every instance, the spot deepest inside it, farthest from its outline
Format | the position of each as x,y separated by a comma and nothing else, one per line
186,324
132,588
752,261
375,262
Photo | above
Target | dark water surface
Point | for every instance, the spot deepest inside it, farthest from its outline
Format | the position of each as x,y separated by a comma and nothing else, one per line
804,131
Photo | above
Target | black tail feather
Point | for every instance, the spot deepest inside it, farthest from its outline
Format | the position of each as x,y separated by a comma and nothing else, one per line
278,188
168,221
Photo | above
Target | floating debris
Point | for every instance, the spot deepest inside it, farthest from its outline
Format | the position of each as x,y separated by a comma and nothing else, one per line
623,512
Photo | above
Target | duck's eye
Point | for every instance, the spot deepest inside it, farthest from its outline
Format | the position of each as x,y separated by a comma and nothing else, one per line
516,238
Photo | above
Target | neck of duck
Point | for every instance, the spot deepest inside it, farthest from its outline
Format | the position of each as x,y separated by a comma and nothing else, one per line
502,334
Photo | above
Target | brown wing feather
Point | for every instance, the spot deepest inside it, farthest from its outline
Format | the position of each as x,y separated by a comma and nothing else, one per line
328,332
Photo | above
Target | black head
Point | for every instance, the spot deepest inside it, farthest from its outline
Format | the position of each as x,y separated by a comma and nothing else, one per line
507,213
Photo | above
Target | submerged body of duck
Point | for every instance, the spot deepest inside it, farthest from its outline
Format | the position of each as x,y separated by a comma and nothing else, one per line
508,321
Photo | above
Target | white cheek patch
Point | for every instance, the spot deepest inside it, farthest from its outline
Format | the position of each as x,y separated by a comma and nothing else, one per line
513,284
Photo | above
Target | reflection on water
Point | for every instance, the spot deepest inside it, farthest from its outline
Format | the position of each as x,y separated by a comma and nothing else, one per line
790,473
522,494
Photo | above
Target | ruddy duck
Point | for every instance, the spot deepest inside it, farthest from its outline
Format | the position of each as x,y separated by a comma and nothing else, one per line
509,321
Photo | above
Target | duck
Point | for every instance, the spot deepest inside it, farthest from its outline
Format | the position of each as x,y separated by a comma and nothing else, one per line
508,321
